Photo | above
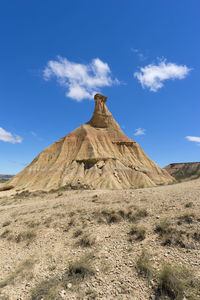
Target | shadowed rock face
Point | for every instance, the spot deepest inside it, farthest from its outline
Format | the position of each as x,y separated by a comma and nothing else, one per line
96,155
184,170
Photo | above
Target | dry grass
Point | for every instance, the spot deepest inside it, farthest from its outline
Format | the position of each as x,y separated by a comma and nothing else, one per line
47,290
24,270
144,266
176,282
189,204
187,218
28,236
137,232
6,223
77,232
80,269
87,240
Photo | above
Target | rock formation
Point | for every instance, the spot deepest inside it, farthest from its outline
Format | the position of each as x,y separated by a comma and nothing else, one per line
97,155
181,171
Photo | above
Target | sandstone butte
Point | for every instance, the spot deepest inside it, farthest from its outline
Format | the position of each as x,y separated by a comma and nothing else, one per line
96,155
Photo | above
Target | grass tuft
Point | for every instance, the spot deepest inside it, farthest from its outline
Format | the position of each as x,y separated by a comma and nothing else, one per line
87,240
144,266
139,232
174,281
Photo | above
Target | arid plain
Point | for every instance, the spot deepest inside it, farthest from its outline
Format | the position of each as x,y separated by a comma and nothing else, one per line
101,244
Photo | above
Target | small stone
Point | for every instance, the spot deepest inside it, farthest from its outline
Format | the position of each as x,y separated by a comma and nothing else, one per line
69,285
63,293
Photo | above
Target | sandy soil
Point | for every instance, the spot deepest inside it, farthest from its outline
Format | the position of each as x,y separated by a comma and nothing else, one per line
40,235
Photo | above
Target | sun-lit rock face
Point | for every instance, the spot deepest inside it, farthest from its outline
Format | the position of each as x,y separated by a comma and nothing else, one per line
96,155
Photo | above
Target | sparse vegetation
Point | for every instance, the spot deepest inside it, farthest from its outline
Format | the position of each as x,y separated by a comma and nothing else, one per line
76,272
169,235
22,195
138,232
27,236
114,216
52,267
91,293
21,272
5,234
78,232
87,240
163,227
80,269
32,223
6,223
48,221
144,266
47,290
176,281
189,204
187,218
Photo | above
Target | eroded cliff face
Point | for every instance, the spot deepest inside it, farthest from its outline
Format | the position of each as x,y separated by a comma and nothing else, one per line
97,155
181,171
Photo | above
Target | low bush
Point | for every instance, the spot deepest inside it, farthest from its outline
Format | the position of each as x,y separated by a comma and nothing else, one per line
187,218
176,281
87,240
80,269
139,232
144,266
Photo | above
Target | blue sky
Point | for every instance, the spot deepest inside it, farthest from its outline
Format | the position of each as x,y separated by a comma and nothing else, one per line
143,55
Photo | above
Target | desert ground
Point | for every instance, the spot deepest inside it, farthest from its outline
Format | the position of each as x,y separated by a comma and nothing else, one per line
101,244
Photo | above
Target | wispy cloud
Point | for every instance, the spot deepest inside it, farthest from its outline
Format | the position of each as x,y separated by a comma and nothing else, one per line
81,80
195,139
152,76
33,133
140,55
140,131
6,136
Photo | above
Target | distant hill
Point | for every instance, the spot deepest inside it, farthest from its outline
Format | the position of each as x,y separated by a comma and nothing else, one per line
181,171
4,177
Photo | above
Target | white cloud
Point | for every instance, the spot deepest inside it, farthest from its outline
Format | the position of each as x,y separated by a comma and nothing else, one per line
140,131
195,139
6,136
152,76
140,55
81,80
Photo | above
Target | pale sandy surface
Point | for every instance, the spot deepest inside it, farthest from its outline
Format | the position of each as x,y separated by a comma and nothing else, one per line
54,218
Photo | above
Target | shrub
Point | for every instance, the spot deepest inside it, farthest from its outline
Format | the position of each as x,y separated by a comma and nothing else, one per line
188,204
139,232
80,269
22,271
173,281
6,223
114,218
5,234
47,290
144,266
91,294
135,216
163,227
87,240
187,218
78,232
27,236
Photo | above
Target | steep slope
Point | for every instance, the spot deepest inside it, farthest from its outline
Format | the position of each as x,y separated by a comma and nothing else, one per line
97,155
184,170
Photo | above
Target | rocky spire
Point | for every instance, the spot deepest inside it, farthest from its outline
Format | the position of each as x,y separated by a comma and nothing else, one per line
101,115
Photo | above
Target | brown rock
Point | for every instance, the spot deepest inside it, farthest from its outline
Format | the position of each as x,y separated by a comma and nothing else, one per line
97,155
